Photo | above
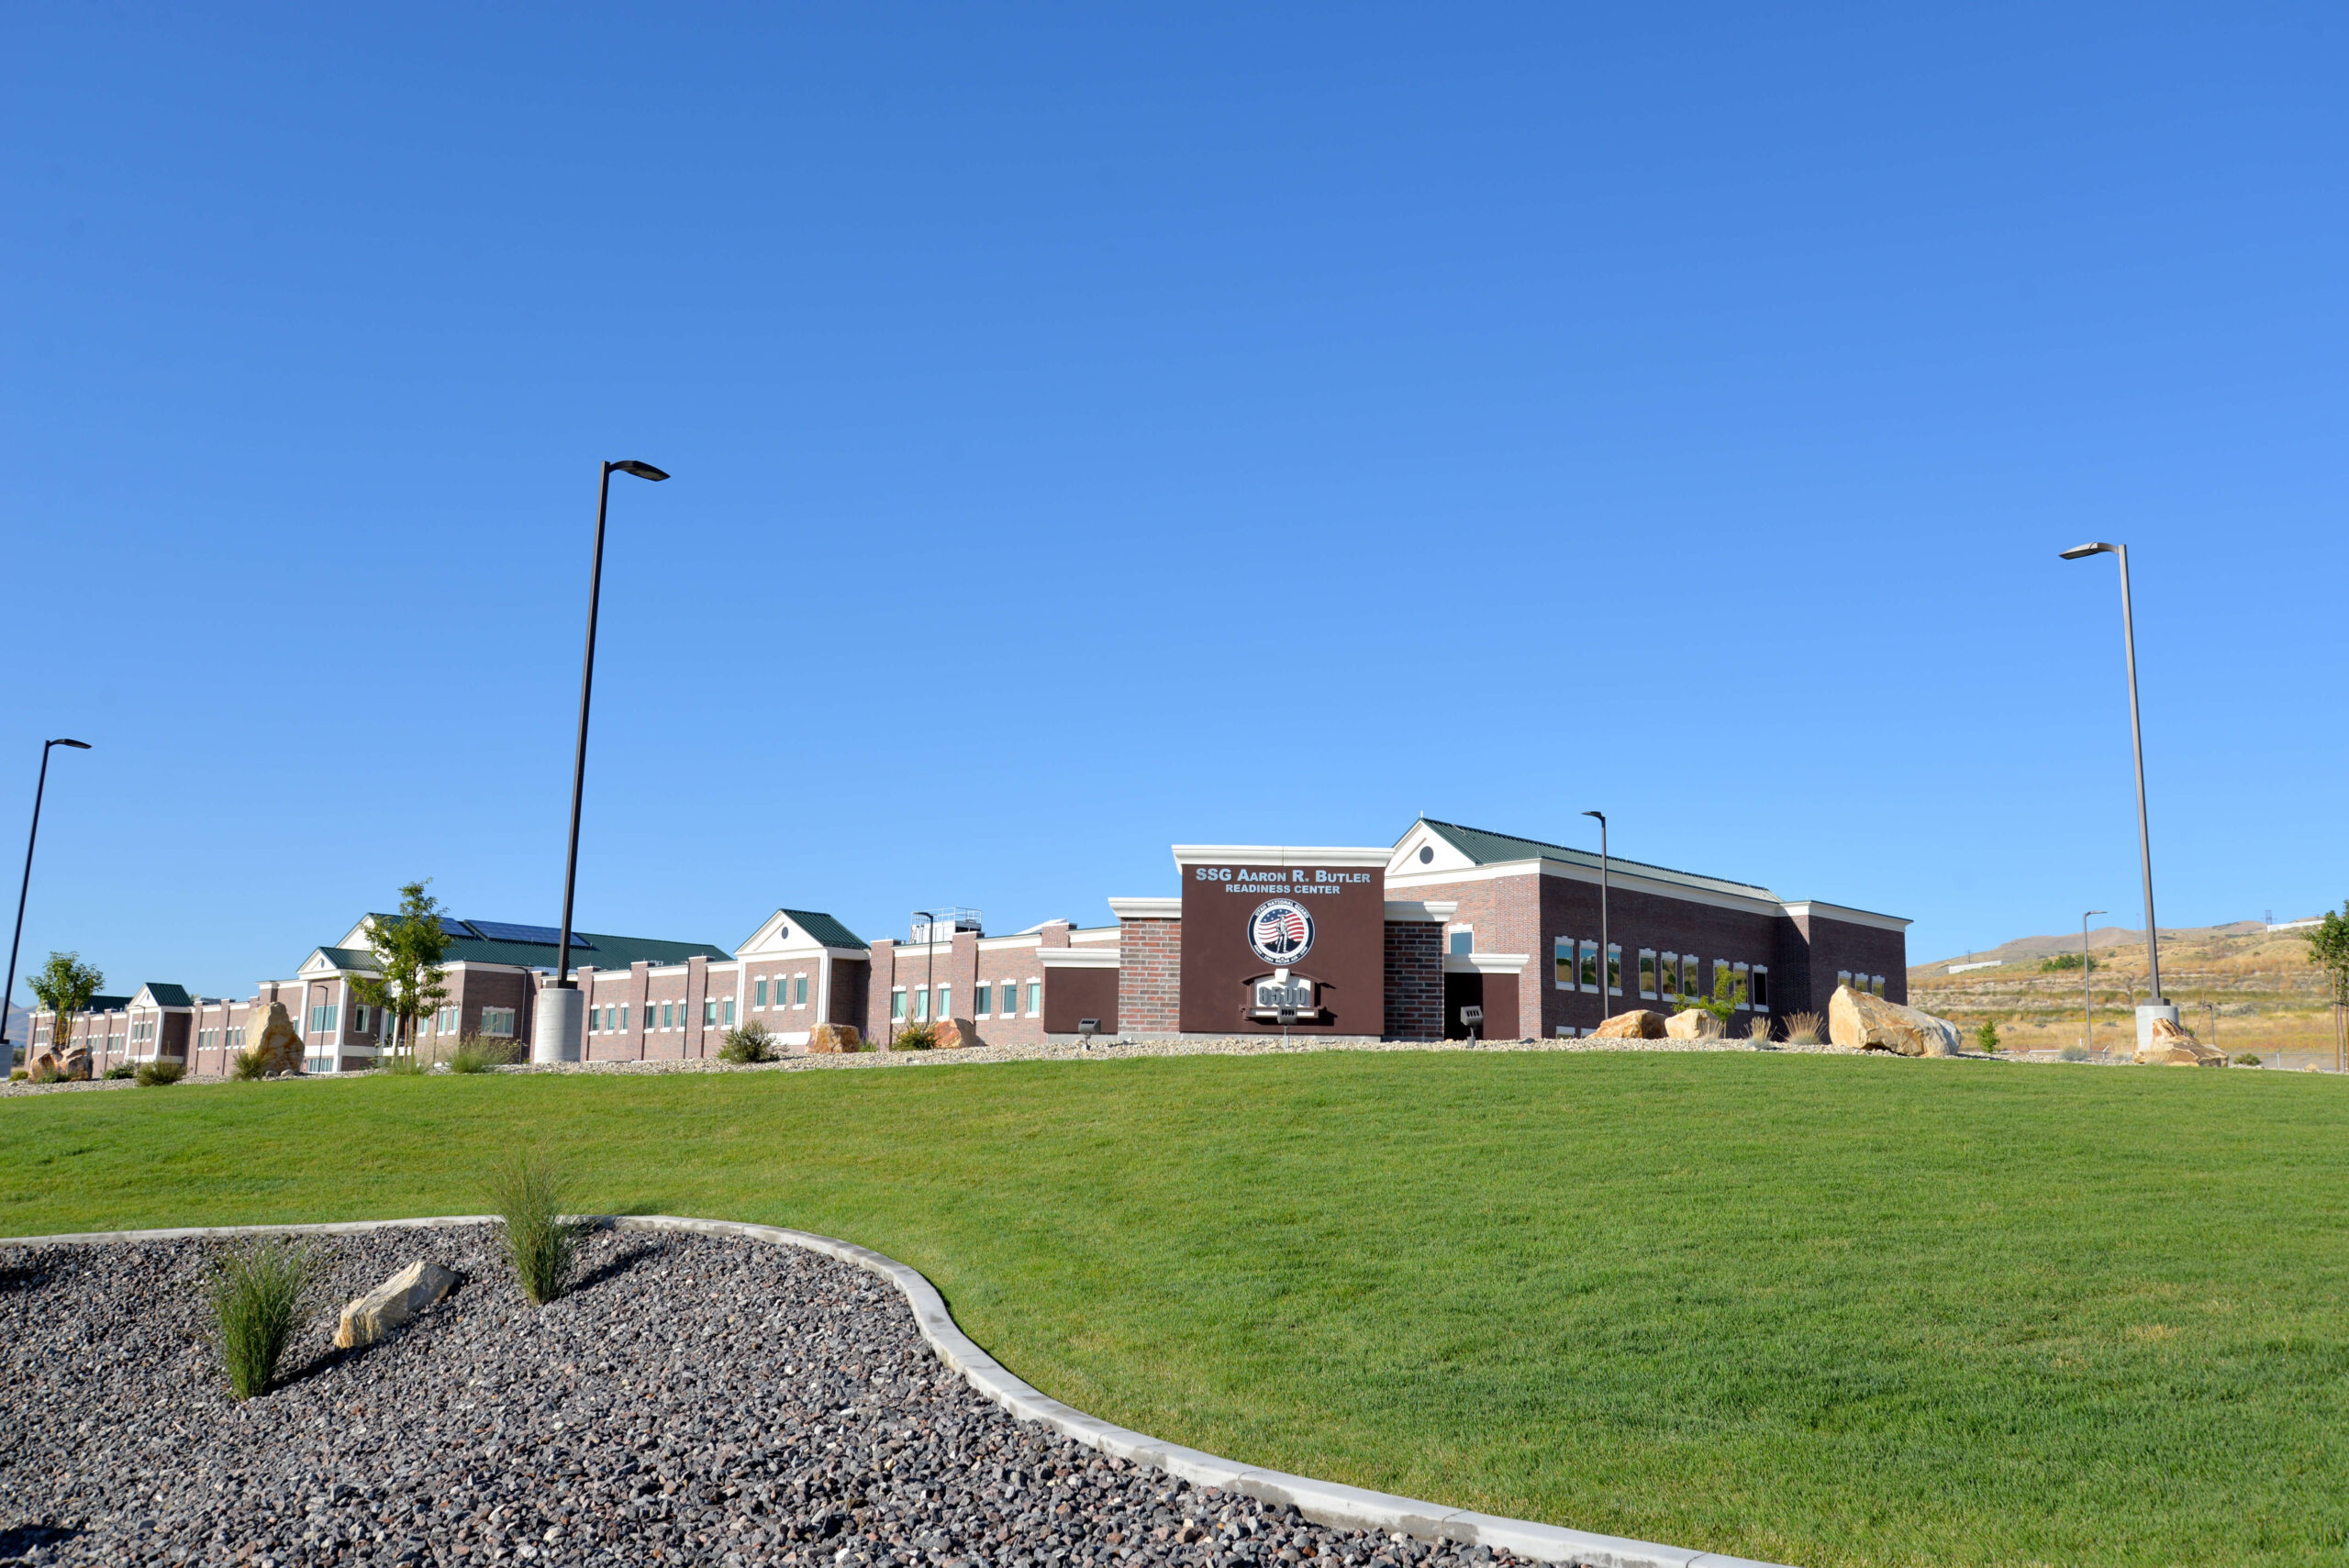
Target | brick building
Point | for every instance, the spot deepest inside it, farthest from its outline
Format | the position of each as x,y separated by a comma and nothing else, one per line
1358,942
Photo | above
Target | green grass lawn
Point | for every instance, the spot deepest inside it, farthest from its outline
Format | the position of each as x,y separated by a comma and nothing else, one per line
1821,1310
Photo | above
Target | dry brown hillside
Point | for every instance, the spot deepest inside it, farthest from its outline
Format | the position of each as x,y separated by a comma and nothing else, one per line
2254,987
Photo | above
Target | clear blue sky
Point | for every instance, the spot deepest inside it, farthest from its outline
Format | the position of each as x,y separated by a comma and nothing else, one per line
1096,427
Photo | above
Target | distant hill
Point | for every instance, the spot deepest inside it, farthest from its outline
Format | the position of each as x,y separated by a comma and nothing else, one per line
2099,937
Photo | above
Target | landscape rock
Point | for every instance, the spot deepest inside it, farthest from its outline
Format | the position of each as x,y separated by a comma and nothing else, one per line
1637,1024
393,1302
956,1034
1859,1020
1693,1024
826,1038
272,1037
2174,1046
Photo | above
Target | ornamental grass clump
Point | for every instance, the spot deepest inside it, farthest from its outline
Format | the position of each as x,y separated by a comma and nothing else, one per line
916,1037
1802,1029
404,1064
161,1073
1758,1031
258,1302
750,1043
246,1064
477,1054
527,1192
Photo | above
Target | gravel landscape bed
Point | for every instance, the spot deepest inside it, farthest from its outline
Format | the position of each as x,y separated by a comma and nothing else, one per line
695,1400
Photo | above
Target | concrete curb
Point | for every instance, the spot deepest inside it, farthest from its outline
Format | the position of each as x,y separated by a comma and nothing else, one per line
1323,1502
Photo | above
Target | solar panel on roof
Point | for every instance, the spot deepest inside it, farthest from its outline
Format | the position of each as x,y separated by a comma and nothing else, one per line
456,927
506,931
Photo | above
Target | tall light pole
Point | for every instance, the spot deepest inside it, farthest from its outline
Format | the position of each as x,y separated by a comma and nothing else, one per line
559,1031
2159,1006
7,1050
2087,997
1602,913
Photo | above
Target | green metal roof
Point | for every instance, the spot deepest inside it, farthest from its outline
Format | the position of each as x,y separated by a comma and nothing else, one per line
107,1003
351,957
167,994
824,929
602,951
1487,847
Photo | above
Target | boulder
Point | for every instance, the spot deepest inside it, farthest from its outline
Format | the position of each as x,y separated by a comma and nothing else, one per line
393,1302
1637,1024
75,1066
273,1038
1858,1019
956,1034
2174,1046
1693,1024
832,1039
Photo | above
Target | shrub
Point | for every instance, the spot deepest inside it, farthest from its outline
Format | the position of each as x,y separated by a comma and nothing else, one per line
527,1193
1986,1037
46,1073
2063,962
257,1298
476,1054
161,1073
18,1074
749,1043
2073,1054
2248,1059
245,1064
123,1069
916,1037
1802,1029
404,1064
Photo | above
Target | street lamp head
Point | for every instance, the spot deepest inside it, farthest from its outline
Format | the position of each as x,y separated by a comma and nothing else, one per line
642,470
77,745
1600,814
2081,551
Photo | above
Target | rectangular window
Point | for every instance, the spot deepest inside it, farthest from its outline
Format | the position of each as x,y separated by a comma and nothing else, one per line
897,1005
1561,962
668,1015
1035,998
623,1023
497,1022
946,1001
801,990
729,1010
982,1000
1588,967
1876,983
759,995
1614,969
1843,977
1741,978
921,1004
1667,969
1761,982
1464,940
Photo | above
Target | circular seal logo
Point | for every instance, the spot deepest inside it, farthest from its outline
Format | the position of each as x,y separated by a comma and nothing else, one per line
1281,931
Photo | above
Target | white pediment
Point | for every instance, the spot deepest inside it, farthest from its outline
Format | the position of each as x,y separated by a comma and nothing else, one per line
778,934
1424,850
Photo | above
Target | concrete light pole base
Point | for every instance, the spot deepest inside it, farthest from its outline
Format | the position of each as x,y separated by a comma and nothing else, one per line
2146,1017
561,1026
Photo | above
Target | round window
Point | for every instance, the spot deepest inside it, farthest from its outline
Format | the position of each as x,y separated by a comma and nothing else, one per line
1427,853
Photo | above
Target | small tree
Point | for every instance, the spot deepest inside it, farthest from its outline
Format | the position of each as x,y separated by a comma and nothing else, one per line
407,980
64,985
1729,996
2327,950
1986,1037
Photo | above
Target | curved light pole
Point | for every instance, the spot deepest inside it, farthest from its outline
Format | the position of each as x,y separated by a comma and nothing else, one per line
2087,997
2159,1004
1603,1003
559,1031
7,1050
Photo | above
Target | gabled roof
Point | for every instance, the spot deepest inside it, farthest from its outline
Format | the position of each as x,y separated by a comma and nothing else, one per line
107,1003
348,958
167,994
825,930
1487,848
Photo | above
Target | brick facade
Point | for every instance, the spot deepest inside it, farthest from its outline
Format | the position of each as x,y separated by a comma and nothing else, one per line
1414,980
1150,976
